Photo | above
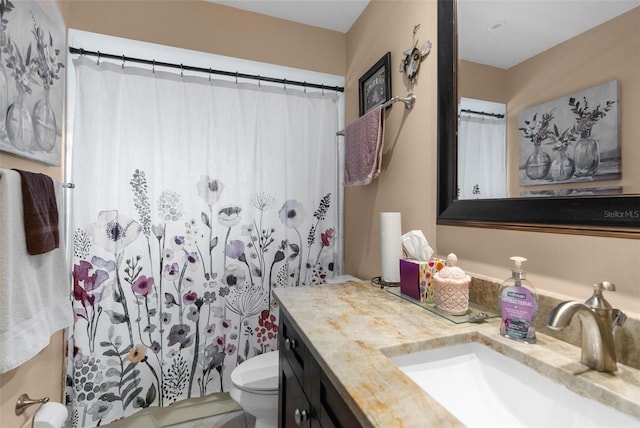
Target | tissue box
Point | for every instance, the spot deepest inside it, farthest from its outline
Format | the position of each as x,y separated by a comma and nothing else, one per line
410,273
428,290
416,278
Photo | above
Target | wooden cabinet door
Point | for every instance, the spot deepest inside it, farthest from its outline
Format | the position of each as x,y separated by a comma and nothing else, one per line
294,408
333,411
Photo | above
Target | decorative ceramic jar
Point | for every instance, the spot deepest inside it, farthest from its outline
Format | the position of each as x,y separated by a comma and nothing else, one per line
452,288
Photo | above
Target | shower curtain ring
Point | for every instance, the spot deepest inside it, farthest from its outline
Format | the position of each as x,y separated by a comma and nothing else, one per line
285,84
236,77
305,86
153,68
209,74
98,60
122,66
258,80
181,70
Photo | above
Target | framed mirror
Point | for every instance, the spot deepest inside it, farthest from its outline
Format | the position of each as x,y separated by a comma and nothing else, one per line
614,215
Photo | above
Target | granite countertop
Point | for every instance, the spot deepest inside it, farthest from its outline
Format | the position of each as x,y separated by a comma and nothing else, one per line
352,329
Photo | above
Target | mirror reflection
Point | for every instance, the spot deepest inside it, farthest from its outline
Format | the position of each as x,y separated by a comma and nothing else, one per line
547,98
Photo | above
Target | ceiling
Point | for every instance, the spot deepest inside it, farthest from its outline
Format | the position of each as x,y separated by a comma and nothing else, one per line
501,33
337,15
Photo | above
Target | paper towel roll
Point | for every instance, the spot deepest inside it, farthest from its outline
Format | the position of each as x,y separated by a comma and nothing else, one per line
50,415
390,246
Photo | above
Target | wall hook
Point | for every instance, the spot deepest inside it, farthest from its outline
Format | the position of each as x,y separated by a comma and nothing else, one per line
24,401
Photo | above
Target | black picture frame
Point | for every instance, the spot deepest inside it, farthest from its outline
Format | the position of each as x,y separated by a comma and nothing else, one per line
375,85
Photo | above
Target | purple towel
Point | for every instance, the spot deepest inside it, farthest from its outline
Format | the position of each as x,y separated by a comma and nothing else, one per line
40,212
363,148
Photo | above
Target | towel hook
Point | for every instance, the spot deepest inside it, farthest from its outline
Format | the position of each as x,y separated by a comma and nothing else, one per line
24,401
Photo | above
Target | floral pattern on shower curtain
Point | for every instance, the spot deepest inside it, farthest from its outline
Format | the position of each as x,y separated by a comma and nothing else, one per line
193,201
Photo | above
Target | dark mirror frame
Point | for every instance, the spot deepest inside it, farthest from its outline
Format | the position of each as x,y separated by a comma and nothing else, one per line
613,216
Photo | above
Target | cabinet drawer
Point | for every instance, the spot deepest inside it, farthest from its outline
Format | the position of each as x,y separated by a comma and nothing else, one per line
292,348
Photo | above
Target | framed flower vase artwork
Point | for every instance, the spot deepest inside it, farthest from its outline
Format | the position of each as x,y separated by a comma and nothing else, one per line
32,79
375,85
572,139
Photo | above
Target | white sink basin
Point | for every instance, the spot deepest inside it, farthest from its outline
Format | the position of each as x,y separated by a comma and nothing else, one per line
482,387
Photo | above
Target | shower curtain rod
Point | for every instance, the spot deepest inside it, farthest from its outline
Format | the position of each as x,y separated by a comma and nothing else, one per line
182,67
483,113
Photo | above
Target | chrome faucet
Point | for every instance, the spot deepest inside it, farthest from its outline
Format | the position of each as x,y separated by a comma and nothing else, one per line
598,319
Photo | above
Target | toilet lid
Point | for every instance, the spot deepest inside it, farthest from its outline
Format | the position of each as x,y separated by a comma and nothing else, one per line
257,374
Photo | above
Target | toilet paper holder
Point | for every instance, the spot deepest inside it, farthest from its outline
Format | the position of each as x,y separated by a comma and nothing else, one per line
24,401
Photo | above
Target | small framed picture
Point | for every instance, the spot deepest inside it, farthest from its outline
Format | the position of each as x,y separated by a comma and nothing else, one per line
375,85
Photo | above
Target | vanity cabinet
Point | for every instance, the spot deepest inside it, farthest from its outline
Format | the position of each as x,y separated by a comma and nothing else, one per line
307,398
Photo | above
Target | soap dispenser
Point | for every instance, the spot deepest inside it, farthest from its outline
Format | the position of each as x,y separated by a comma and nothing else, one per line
518,305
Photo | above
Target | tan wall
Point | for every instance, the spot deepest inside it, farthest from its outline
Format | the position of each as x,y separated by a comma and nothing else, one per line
483,82
558,264
195,25
208,27
408,180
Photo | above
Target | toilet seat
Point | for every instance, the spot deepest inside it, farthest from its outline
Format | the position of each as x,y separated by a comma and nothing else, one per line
258,374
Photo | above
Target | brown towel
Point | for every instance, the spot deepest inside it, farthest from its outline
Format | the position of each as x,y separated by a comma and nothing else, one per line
363,148
40,212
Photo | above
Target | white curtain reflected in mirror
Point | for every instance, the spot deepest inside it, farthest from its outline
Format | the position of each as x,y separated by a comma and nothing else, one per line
482,163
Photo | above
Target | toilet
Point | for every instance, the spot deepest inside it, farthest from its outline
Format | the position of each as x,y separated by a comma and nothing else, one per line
254,386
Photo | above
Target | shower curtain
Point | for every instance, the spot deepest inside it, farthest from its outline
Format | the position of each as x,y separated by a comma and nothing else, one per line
194,200
482,162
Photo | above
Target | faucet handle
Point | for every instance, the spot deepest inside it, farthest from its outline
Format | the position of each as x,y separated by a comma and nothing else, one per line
605,285
597,300
619,318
